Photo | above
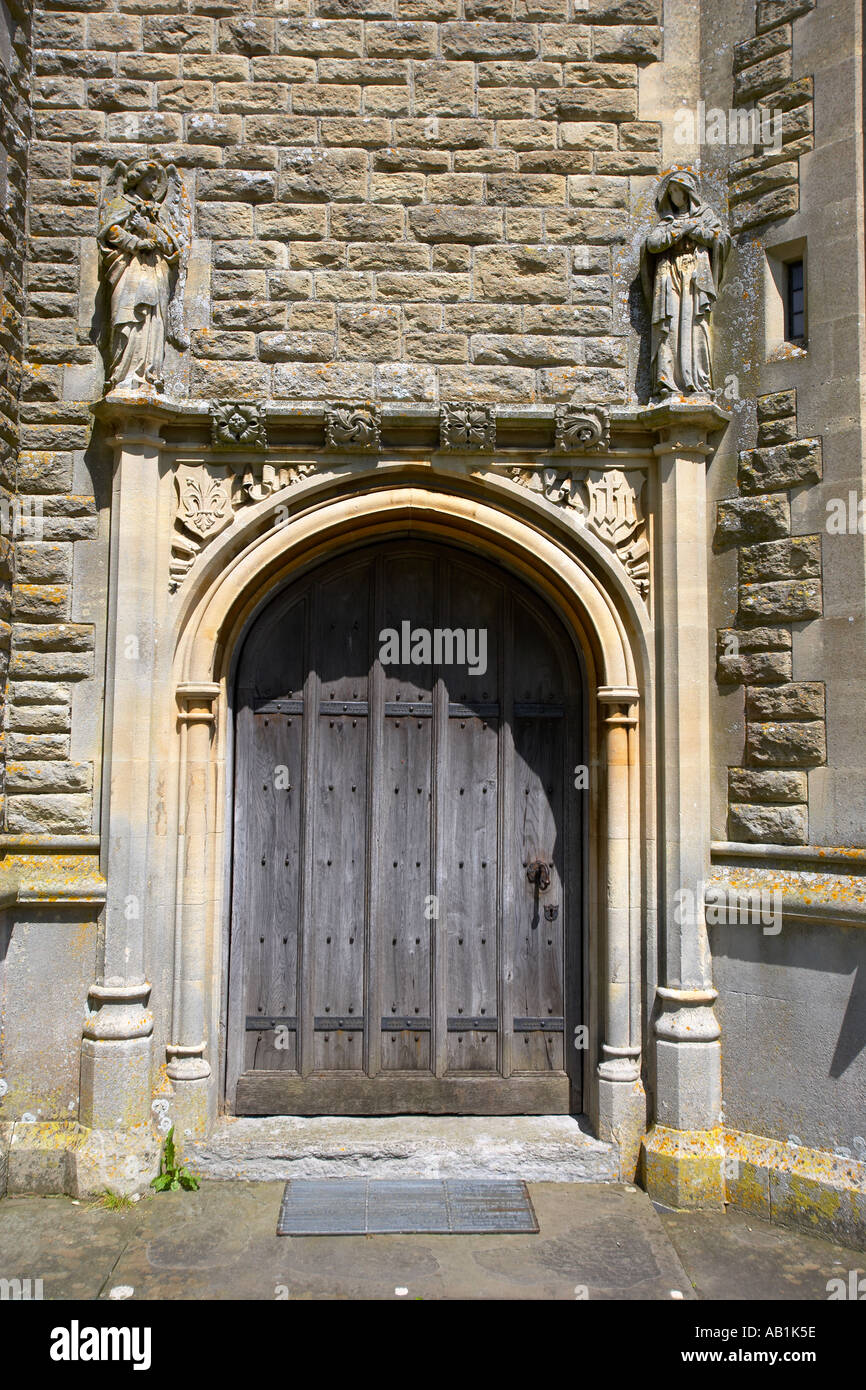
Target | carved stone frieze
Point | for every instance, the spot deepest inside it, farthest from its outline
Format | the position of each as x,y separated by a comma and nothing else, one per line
356,428
608,501
468,428
581,429
237,425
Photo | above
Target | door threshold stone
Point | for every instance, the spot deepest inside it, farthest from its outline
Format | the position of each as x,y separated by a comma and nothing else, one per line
536,1148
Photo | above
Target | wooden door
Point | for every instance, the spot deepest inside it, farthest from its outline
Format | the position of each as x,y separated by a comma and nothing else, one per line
406,904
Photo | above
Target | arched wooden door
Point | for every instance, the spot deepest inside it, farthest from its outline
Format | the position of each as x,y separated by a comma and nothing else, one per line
406,903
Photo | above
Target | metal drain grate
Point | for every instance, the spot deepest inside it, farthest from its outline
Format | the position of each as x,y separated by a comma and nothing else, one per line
423,1206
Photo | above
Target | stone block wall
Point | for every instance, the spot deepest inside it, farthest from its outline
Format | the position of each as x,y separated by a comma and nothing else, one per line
764,185
413,200
401,198
779,584
14,136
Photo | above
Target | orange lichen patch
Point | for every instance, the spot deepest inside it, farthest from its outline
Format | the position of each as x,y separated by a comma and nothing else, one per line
799,888
684,1168
796,1159
51,878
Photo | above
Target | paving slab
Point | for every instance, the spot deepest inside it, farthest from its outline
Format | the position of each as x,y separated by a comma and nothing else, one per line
71,1246
596,1241
729,1255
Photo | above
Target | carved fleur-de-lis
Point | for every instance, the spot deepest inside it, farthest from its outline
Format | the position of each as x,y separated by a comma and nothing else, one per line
204,503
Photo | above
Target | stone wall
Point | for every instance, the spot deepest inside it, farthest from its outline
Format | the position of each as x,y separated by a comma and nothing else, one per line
420,191
779,584
14,137
400,199
765,184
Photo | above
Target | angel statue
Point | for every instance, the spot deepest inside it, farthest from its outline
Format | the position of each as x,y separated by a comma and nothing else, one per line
682,260
144,237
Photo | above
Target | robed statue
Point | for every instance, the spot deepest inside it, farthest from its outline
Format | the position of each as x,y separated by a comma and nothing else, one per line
682,261
144,237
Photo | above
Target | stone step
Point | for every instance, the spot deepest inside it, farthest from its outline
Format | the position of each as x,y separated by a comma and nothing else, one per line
536,1148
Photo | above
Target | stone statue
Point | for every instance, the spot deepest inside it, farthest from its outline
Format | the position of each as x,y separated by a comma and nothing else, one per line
144,236
682,261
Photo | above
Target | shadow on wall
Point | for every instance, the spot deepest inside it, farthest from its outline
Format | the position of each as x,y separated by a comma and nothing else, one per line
793,1012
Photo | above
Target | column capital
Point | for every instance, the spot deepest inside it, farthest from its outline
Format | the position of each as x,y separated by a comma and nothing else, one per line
618,695
196,700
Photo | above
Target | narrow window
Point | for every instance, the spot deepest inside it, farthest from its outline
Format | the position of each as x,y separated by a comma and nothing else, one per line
795,302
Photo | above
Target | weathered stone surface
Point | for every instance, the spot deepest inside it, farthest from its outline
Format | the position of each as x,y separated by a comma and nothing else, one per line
37,1160
762,77
768,788
48,776
786,744
38,719
771,12
776,405
522,274
471,225
754,668
49,812
323,382
369,332
772,825
771,207
627,43
105,1161
781,431
764,46
749,519
797,558
784,601
800,700
444,89
786,465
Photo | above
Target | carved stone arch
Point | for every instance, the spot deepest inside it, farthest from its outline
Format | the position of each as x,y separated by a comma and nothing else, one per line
168,733
614,652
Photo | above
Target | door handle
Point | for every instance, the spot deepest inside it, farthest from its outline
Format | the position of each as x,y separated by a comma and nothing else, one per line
539,873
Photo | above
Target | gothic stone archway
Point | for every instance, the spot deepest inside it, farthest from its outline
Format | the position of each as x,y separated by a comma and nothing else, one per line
539,517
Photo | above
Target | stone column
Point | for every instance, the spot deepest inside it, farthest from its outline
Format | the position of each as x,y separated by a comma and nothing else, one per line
683,1154
116,1050
188,1067
622,1101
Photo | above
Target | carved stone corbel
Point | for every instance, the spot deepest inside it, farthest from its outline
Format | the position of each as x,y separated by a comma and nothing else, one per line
581,430
468,428
356,428
237,425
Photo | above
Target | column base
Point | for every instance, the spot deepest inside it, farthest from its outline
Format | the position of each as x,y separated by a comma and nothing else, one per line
684,1169
622,1121
64,1157
109,1160
115,1083
688,1084
191,1108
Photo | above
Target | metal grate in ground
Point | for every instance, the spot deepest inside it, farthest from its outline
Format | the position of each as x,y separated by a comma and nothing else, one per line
372,1206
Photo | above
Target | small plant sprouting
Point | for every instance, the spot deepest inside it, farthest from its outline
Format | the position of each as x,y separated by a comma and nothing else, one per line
112,1201
173,1176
